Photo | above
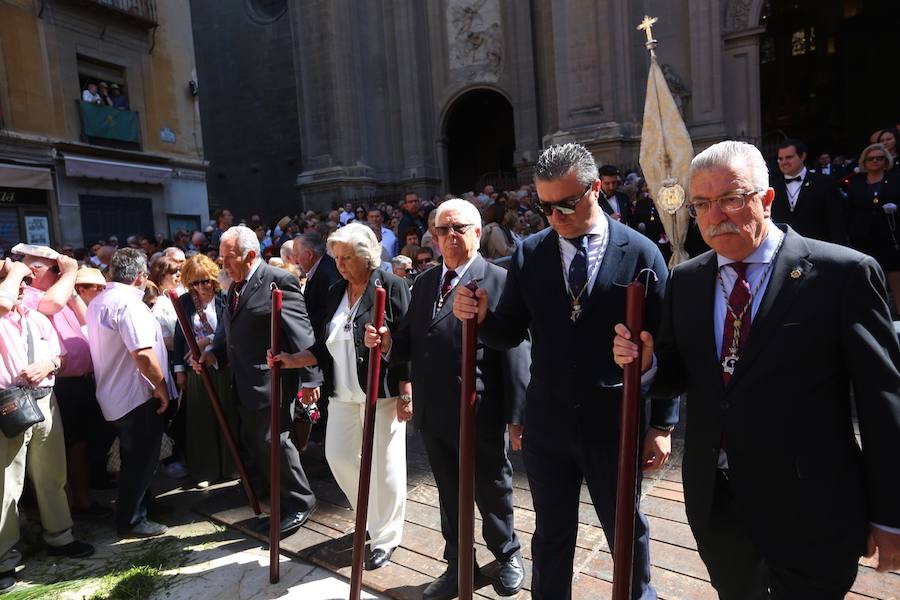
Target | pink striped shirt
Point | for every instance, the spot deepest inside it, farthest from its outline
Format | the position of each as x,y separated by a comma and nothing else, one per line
14,345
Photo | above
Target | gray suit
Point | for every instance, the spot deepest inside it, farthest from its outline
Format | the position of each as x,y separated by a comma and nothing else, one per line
242,338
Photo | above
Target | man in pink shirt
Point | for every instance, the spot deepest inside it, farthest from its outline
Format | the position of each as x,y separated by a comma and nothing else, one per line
30,356
133,383
87,434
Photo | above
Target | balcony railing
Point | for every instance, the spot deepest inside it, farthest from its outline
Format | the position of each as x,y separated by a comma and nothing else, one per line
140,12
109,126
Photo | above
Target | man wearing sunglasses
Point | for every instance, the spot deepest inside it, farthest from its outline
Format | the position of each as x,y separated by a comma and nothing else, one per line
566,285
768,334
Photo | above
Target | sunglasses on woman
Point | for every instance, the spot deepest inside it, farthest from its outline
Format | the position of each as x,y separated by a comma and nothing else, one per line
564,207
200,282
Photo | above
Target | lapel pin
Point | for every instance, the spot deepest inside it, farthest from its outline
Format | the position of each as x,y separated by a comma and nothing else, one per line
795,274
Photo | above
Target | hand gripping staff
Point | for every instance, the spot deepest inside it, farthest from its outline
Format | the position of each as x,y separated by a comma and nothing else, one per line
365,465
275,442
467,457
623,553
188,332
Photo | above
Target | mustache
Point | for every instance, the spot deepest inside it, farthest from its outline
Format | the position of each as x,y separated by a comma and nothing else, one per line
722,228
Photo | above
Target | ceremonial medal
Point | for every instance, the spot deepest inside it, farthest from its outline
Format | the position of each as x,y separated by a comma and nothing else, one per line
576,311
795,274
729,362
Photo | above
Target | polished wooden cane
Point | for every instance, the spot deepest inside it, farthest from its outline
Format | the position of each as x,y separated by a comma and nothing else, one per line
213,396
626,491
275,443
466,558
365,465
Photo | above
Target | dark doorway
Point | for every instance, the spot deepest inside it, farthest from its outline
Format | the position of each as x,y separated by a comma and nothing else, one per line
103,216
827,71
481,141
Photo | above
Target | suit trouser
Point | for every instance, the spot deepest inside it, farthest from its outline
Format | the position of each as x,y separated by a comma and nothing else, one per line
140,437
41,451
556,468
387,487
739,571
493,492
296,495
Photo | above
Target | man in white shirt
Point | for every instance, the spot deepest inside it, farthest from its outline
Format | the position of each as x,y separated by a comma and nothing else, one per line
90,94
134,385
387,237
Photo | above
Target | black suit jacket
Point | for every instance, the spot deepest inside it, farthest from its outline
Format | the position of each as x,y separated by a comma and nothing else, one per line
396,303
180,348
242,339
819,211
433,344
621,198
316,291
805,490
572,370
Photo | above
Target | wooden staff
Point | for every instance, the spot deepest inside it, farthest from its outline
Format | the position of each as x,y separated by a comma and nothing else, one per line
365,464
188,332
628,450
275,443
466,554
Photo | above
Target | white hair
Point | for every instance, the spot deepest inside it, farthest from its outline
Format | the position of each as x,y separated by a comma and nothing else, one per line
732,154
174,252
245,239
463,207
362,239
286,249
401,261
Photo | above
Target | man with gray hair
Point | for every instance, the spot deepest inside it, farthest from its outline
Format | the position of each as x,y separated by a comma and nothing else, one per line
242,339
286,252
134,386
574,396
768,333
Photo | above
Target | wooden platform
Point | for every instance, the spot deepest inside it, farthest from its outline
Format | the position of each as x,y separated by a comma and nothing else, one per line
326,540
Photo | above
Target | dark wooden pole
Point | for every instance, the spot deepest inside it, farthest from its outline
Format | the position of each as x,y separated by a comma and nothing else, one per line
188,332
275,444
628,450
466,554
365,465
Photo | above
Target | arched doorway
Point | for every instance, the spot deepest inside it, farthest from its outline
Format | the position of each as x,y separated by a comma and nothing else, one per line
481,140
826,71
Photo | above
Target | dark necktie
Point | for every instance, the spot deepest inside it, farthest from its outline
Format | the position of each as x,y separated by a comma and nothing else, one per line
797,179
446,285
578,272
235,296
739,302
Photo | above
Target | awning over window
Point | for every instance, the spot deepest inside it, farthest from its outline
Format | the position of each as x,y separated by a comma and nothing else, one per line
96,168
19,176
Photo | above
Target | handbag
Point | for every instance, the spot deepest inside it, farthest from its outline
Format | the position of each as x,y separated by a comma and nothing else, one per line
18,407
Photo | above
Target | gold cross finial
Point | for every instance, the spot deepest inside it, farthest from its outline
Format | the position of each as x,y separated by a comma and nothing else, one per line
647,25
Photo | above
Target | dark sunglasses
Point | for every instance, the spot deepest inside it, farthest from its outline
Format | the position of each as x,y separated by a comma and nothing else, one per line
874,158
444,230
200,282
564,207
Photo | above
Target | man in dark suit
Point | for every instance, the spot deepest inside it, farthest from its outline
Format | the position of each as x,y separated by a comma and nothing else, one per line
566,285
809,202
242,338
767,334
611,200
431,338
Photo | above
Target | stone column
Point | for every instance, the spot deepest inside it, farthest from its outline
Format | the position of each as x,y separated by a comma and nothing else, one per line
741,84
707,110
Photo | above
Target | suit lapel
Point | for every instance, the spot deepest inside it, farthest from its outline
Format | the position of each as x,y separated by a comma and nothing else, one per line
250,288
610,272
368,297
703,286
790,271
474,272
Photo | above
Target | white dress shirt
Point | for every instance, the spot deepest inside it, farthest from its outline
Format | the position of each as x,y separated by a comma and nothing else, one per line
793,188
598,241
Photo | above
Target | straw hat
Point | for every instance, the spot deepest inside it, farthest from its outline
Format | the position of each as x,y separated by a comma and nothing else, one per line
89,276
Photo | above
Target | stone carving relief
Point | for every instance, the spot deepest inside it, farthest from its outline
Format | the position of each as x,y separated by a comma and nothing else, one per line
739,14
474,40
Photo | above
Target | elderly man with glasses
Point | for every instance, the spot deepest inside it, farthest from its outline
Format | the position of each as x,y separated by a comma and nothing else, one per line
566,285
769,333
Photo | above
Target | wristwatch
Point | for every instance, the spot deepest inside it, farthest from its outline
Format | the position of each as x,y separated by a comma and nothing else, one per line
405,398
665,428
56,364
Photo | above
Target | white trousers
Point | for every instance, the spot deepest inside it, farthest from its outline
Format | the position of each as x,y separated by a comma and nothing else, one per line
387,489
41,450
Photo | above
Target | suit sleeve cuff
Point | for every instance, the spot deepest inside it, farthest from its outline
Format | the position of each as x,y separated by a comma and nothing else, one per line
895,530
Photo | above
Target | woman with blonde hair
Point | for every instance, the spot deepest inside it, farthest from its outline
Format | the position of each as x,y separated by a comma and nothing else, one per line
206,454
344,359
872,199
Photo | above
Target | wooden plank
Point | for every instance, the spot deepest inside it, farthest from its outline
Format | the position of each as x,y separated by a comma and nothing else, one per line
871,583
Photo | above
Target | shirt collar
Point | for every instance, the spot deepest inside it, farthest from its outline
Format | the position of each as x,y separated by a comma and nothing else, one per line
126,288
764,253
801,174
253,269
312,270
599,228
458,270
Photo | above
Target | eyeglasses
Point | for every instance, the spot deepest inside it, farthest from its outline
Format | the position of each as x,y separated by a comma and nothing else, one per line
444,230
875,157
732,202
200,282
564,207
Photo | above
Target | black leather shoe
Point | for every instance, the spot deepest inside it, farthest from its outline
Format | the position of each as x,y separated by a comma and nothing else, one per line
510,577
289,523
446,587
73,549
377,558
